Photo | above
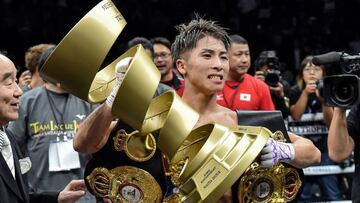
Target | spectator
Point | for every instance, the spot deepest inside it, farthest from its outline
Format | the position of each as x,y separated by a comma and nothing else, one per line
144,42
242,91
31,78
49,118
310,118
163,61
268,69
13,165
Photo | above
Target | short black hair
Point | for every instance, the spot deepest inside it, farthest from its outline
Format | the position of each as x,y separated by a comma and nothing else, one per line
264,57
44,56
143,41
237,39
195,30
161,40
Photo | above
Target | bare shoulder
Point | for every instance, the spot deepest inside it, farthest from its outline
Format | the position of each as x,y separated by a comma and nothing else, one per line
229,117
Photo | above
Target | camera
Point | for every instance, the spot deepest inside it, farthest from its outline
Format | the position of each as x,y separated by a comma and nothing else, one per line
272,74
320,87
342,87
272,77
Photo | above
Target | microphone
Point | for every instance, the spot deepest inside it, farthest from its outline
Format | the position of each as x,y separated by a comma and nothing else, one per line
331,57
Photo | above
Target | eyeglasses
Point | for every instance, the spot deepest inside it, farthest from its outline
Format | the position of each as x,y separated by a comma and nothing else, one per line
162,55
309,68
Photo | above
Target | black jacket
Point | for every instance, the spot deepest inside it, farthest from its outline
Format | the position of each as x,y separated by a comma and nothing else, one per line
16,191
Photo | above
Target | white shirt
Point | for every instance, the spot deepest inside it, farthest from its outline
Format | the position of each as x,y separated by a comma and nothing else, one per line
6,151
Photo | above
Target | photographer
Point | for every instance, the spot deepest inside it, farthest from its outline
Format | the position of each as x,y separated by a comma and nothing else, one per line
341,90
267,69
311,118
343,139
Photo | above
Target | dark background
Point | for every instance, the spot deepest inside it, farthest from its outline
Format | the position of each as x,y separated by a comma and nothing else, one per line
294,28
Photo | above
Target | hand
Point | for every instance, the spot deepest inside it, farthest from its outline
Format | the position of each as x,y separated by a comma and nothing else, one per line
120,70
106,200
278,90
72,192
25,78
310,87
260,75
275,152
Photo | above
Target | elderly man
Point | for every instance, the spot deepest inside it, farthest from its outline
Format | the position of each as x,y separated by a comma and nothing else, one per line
13,166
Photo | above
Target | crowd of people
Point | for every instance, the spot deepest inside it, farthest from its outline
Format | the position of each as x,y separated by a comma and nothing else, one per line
47,135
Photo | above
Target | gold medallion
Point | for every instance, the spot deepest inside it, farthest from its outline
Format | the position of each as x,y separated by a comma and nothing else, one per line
275,184
125,184
137,147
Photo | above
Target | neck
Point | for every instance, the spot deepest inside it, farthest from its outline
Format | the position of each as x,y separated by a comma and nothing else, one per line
235,77
36,80
166,78
199,101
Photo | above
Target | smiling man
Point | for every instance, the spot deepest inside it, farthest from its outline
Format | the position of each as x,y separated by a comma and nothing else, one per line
242,91
13,167
163,61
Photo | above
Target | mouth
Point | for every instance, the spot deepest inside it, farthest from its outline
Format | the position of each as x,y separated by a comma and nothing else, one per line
216,77
242,67
15,104
160,65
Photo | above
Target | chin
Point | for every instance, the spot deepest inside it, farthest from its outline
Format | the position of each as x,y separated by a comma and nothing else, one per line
12,117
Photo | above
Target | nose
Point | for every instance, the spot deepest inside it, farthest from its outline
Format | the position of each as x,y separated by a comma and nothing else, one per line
17,92
312,71
218,64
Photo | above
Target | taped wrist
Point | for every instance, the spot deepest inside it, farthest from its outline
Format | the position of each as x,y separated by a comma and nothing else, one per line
120,70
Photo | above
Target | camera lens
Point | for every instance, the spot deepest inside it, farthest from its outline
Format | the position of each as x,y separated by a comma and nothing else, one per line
343,93
272,77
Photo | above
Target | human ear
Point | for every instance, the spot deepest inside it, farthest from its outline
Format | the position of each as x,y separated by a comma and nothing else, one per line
180,65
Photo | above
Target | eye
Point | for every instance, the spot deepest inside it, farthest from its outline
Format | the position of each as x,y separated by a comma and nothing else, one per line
224,57
206,55
8,82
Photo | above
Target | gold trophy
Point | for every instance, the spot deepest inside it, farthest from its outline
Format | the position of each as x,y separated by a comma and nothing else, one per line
204,162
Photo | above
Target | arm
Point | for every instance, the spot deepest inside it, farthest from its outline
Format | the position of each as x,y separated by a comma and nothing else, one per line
300,153
328,114
306,153
340,143
299,107
94,131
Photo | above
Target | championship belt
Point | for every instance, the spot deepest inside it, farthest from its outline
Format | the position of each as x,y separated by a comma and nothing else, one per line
205,161
125,184
278,183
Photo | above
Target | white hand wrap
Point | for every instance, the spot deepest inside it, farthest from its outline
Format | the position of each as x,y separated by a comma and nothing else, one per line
275,152
120,70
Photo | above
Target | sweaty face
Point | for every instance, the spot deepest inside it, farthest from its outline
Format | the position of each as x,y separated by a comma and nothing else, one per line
239,59
206,66
162,58
9,91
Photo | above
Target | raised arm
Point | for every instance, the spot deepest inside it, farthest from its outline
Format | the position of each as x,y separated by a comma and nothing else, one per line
340,143
94,131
